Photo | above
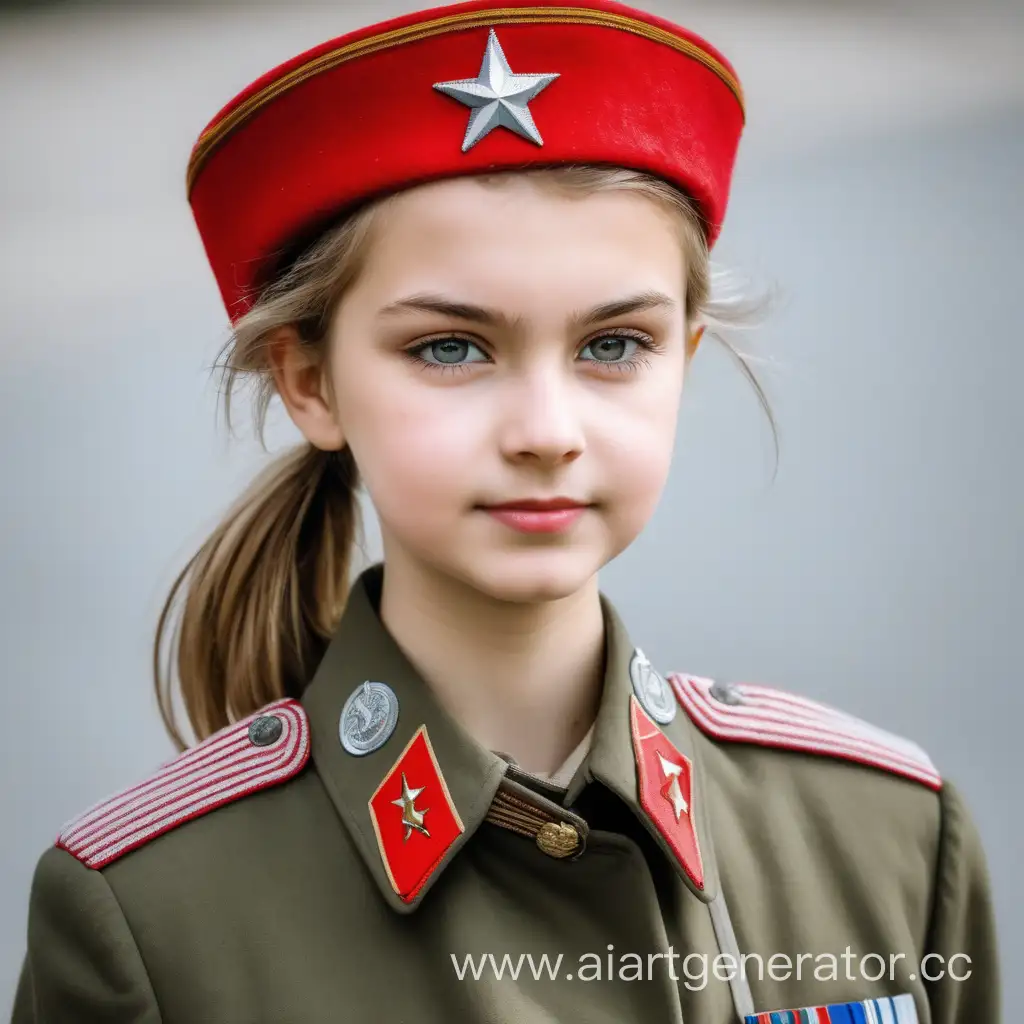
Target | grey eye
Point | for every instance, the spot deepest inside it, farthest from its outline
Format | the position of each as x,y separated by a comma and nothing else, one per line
446,351
612,348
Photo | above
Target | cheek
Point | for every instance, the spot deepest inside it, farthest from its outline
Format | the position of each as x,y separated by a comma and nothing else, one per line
636,461
634,440
414,446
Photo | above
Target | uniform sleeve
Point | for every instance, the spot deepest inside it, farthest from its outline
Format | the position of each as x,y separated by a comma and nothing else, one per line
82,963
962,925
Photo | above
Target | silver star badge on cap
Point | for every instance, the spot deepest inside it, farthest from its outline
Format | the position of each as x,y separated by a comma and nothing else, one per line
497,97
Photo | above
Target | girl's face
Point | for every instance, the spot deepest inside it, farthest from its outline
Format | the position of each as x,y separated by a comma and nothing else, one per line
506,346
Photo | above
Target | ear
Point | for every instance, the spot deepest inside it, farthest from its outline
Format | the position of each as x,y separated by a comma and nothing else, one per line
301,380
693,341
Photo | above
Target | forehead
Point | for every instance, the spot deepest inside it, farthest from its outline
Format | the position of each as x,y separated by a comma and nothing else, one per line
519,241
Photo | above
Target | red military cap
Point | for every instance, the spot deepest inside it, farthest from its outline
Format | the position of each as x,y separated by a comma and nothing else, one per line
468,88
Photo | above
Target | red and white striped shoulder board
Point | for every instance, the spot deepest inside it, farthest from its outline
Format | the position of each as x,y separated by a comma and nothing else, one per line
748,713
260,751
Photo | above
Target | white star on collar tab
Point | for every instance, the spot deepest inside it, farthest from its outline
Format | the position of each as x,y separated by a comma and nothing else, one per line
671,791
497,97
412,816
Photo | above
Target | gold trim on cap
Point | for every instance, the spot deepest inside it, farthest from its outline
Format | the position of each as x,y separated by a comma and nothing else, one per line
217,133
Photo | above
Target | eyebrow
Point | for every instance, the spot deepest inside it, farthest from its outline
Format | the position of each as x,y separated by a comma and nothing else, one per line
427,302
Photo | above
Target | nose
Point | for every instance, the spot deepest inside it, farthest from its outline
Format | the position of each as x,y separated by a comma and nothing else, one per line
542,423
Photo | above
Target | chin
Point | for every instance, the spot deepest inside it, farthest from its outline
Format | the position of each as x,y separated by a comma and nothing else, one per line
532,577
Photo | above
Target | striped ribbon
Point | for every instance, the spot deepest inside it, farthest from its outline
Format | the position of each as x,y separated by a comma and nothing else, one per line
888,1010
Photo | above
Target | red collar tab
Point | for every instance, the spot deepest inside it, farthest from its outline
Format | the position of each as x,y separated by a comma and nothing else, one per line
748,713
260,751
414,818
410,100
666,790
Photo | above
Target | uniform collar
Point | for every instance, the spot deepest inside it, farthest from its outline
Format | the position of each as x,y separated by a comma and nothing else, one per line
630,752
428,750
362,650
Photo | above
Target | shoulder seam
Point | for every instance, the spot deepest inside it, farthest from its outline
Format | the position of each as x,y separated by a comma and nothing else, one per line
947,859
135,944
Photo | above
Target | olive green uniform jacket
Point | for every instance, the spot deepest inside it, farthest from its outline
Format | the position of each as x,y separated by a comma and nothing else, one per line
280,902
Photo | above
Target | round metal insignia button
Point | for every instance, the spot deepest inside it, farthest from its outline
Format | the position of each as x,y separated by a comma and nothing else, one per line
368,718
725,693
265,730
557,839
651,690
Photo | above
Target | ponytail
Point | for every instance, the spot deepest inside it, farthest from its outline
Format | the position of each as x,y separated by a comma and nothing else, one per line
263,593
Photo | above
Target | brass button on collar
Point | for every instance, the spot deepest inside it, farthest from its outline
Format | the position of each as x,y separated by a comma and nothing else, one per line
557,839
557,832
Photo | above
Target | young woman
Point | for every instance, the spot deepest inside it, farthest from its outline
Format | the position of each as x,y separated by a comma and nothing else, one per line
468,249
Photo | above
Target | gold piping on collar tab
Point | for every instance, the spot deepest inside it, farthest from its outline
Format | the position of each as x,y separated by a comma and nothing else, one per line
217,133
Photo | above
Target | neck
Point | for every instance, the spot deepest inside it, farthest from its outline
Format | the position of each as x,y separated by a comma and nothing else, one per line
521,678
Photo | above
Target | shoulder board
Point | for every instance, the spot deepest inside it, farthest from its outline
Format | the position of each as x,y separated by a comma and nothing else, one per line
255,753
748,713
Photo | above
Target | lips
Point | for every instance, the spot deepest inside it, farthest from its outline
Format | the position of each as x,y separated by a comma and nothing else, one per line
538,515
536,505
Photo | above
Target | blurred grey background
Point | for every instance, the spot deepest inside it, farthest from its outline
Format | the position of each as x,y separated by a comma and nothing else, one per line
879,186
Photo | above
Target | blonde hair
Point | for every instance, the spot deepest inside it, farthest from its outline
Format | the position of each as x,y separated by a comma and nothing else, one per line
249,617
